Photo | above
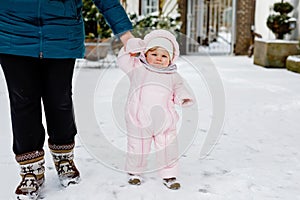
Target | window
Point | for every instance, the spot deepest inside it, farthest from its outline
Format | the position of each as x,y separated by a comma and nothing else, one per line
149,6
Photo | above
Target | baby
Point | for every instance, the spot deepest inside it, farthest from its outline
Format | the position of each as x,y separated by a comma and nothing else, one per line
155,87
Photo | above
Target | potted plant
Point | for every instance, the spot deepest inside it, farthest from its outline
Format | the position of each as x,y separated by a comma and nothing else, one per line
279,24
94,23
273,53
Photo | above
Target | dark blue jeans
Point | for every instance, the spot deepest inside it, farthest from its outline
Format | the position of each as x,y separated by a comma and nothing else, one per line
31,81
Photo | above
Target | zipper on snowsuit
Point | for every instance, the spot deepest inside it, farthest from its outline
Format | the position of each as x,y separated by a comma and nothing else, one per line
40,30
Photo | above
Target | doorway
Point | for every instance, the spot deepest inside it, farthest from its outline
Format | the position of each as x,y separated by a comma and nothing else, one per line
211,24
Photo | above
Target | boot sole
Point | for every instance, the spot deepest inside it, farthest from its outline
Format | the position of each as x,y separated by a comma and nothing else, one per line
69,181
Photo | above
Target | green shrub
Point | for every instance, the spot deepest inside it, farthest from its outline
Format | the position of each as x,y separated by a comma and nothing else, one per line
279,23
143,25
94,22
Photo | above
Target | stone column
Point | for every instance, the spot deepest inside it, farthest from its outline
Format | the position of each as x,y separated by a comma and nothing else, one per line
244,21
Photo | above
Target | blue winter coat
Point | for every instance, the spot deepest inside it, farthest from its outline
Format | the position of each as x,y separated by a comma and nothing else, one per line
52,28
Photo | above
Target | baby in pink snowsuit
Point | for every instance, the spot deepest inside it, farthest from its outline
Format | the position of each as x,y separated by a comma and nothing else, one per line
155,87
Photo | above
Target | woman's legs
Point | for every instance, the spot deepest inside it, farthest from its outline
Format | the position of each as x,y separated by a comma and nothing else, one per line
58,106
28,80
57,77
57,100
23,78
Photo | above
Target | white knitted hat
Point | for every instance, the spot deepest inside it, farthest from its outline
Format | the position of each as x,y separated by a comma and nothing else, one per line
161,42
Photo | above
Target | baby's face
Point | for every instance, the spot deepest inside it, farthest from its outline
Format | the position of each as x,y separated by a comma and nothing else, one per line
159,58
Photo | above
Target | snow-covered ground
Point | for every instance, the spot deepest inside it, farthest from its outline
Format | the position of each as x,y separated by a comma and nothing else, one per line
222,45
256,158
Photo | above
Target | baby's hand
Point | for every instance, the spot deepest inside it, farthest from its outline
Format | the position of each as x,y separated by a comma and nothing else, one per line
134,54
186,101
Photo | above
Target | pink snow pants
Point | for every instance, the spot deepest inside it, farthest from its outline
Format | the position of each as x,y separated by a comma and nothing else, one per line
139,147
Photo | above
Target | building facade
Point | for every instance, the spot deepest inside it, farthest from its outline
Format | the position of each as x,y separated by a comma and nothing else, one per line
232,22
145,7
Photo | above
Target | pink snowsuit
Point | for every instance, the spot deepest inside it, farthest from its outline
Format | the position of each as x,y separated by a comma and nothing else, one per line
150,112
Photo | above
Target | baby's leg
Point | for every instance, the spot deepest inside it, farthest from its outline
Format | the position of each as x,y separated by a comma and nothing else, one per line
138,148
167,153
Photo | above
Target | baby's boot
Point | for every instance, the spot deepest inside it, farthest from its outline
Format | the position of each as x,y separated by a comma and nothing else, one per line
171,183
134,179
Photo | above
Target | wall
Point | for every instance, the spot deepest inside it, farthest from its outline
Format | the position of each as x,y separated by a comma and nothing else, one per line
296,14
132,6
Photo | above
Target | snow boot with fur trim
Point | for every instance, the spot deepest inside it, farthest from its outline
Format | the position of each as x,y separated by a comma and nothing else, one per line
134,179
171,183
32,173
63,159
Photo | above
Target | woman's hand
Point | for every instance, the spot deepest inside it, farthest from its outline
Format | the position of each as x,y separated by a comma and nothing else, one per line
125,37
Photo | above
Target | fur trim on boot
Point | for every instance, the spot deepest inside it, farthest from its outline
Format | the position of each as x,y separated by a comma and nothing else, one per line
32,173
171,183
63,159
134,179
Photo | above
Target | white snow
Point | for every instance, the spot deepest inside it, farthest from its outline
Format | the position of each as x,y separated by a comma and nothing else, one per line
294,58
222,46
277,41
257,156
